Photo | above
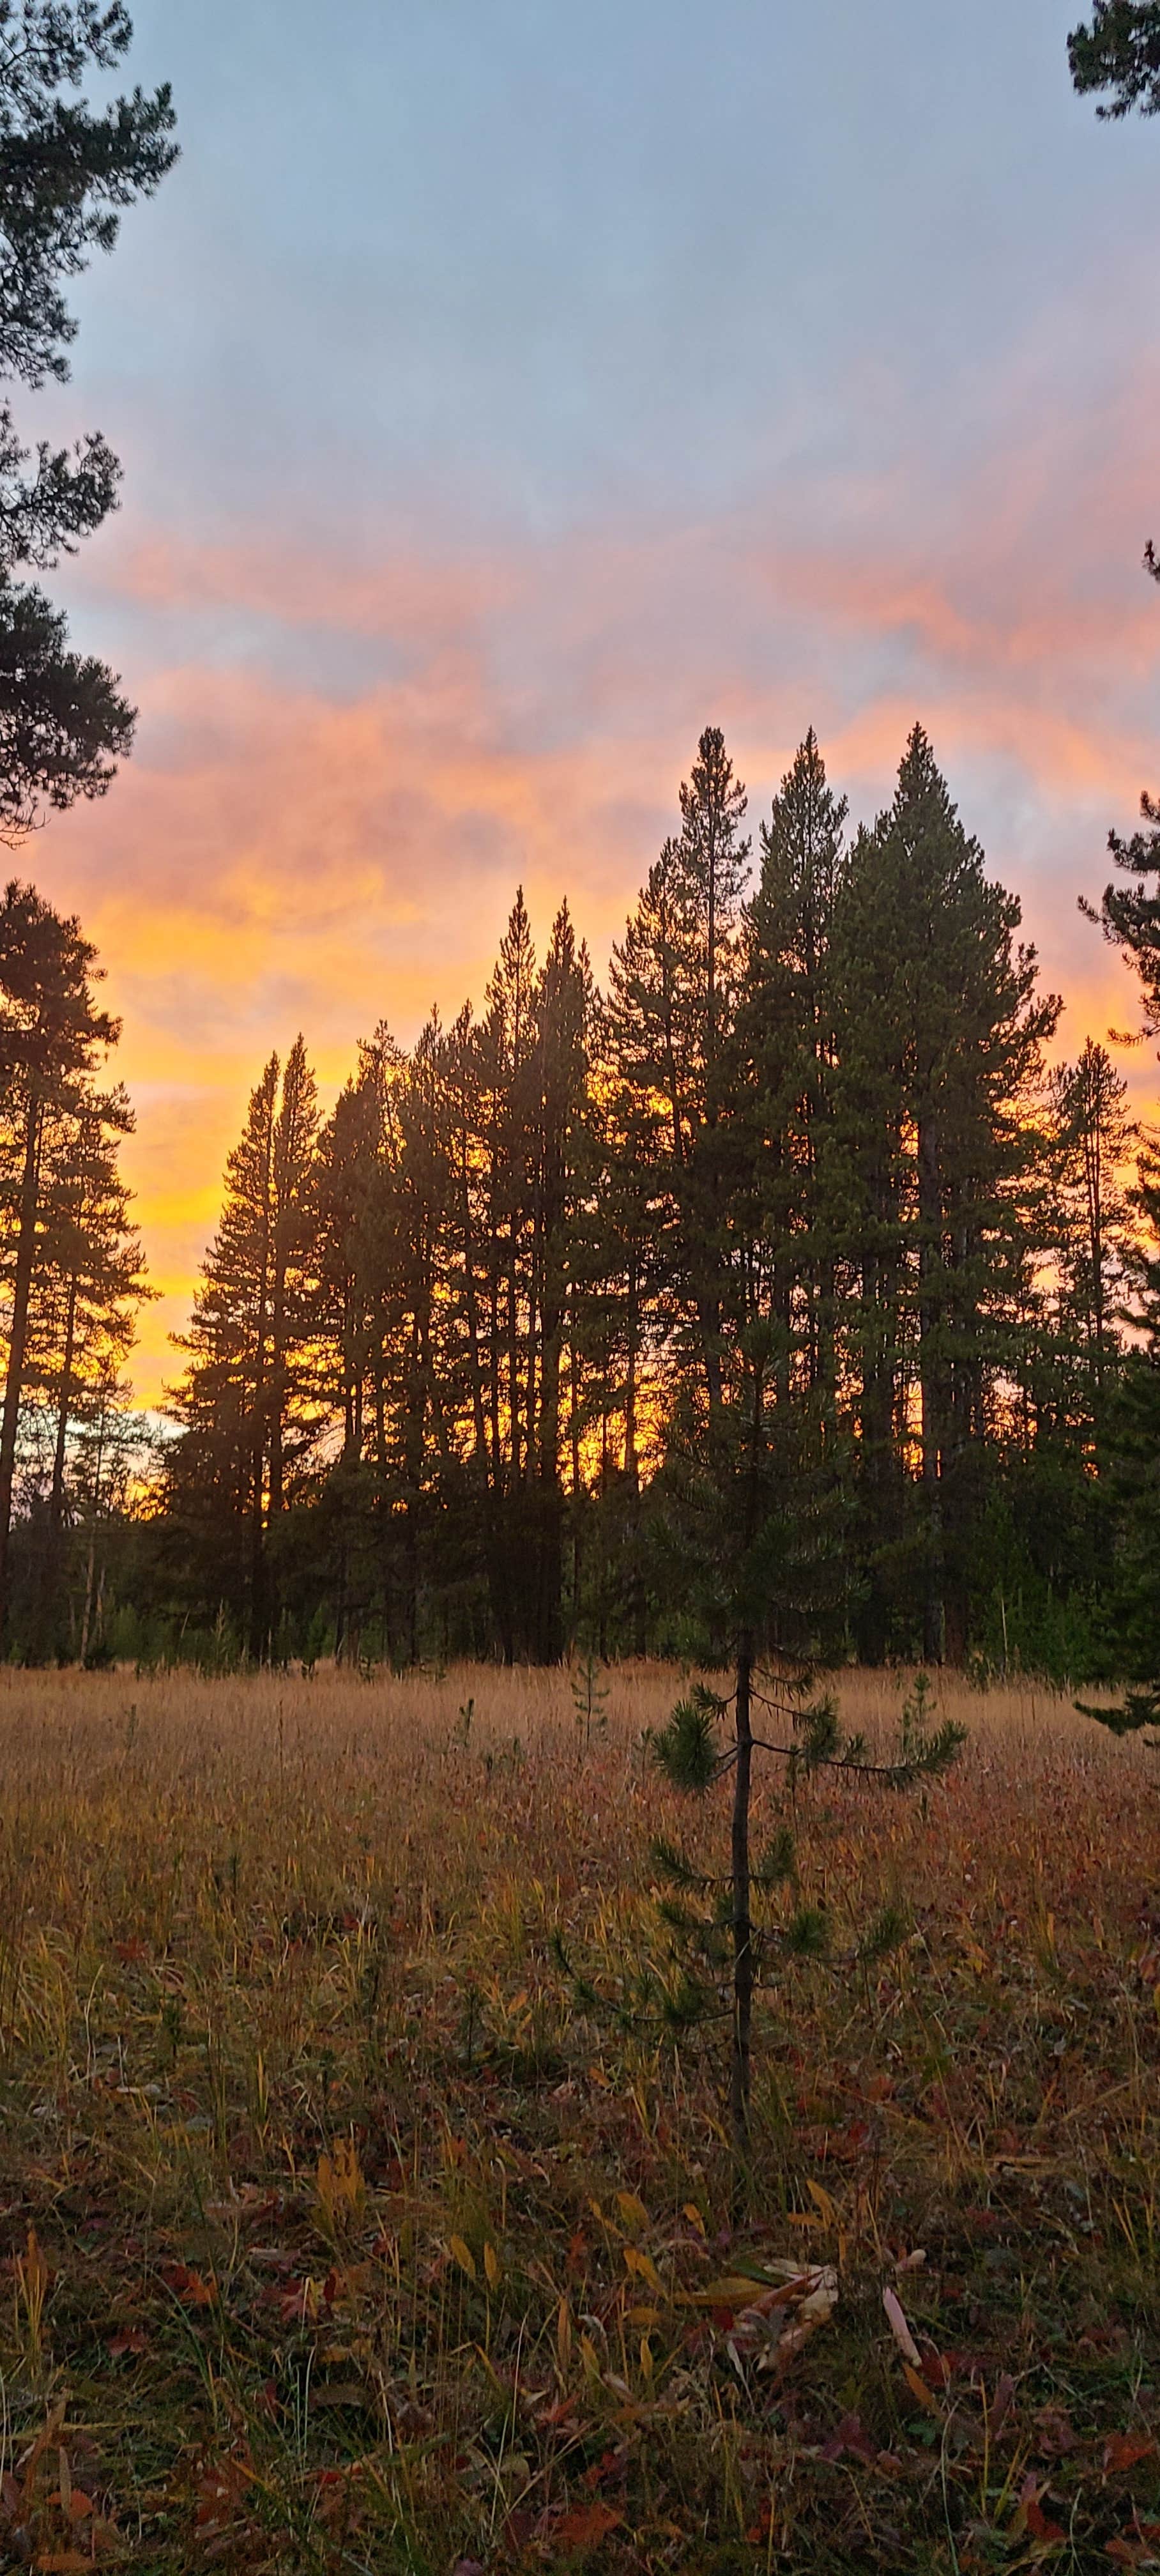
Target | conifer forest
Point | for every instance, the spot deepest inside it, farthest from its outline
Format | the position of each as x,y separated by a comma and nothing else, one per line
797,1231
579,1913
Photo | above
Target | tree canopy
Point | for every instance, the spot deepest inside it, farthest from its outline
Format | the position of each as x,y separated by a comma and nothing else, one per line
1119,53
67,171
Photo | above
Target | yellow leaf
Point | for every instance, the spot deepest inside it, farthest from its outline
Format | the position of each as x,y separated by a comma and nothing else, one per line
631,2209
641,2268
589,2355
646,2359
918,2388
693,2214
822,2201
341,2188
491,2264
737,2290
463,2256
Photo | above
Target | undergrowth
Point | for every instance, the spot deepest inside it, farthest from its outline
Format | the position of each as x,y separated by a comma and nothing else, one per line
335,2238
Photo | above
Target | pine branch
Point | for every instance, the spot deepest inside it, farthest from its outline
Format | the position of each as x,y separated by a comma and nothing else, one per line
1138,1709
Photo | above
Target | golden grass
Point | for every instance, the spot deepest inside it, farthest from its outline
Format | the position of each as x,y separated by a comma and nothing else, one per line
339,2236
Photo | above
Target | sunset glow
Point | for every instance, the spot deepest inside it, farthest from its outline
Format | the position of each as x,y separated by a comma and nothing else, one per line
419,611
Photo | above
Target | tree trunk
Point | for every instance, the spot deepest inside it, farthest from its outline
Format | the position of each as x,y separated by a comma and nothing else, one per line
739,2076
14,1386
930,1319
878,1334
259,1624
50,1570
91,1568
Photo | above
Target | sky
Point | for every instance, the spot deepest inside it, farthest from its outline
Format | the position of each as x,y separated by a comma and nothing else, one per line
507,391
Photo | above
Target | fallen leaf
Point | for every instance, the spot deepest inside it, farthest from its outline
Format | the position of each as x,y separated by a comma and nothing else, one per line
1031,2514
918,2388
851,2436
1123,2450
996,2413
189,2287
586,2524
740,2290
900,2330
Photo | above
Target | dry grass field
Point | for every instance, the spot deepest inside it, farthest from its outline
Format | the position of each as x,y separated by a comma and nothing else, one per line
334,2236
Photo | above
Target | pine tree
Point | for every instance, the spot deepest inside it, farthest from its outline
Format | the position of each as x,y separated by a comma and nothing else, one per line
246,1391
88,1286
787,1040
672,995
65,173
1091,1141
939,1040
1133,1432
52,1039
291,1255
564,1010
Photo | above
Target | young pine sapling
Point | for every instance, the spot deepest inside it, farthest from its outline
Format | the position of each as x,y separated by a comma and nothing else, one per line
738,1942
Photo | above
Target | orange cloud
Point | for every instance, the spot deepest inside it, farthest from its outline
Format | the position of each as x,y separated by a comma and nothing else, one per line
325,820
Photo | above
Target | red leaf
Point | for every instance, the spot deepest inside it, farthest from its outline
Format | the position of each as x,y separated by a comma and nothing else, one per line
189,2286
586,2524
1031,2514
564,2408
603,2467
1122,2450
1000,2404
851,2436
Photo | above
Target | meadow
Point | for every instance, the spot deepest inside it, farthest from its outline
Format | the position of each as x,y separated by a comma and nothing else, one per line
336,2234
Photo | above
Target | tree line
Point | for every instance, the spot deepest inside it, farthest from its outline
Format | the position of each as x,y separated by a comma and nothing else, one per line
795,1205
782,1289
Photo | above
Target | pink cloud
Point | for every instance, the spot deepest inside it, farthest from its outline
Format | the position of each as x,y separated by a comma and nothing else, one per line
297,850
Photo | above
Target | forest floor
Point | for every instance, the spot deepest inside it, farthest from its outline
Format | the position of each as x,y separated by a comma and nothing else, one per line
334,2236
